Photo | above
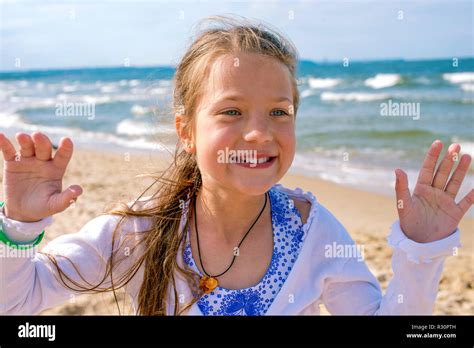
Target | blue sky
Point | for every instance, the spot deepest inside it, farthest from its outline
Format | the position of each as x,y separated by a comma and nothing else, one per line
60,34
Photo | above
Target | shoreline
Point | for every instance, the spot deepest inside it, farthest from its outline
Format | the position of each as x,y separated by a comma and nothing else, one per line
107,177
354,215
371,177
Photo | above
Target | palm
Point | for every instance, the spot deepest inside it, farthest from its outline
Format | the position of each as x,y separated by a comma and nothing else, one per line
36,182
32,181
431,213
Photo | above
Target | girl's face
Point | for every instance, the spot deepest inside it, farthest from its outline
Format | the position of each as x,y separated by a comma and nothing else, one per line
246,104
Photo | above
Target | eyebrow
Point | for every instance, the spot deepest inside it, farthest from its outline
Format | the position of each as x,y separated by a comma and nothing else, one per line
236,97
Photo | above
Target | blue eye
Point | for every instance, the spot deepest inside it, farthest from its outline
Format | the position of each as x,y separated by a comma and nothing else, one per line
232,112
280,112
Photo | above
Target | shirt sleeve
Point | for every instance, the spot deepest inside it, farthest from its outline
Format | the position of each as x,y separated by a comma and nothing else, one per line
417,269
29,281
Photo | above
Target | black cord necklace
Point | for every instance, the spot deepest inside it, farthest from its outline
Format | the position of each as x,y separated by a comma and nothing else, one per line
209,282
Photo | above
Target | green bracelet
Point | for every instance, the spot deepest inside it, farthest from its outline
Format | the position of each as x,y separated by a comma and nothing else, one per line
11,244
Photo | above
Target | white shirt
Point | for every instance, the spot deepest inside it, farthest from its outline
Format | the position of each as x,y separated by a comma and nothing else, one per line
320,275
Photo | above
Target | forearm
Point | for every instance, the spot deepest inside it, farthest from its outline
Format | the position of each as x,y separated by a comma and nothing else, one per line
417,269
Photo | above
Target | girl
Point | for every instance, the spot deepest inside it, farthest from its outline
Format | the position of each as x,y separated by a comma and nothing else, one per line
219,236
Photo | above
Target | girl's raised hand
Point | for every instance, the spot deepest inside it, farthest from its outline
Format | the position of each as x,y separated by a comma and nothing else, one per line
32,179
431,213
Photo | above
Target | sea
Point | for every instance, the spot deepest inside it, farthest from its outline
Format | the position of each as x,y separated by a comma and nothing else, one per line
357,121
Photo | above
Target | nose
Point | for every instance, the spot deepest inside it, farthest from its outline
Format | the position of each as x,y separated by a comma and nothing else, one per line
258,129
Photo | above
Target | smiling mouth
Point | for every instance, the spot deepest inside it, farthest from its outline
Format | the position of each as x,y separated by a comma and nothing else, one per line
263,162
252,160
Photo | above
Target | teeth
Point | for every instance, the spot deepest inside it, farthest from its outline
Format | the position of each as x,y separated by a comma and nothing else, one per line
236,159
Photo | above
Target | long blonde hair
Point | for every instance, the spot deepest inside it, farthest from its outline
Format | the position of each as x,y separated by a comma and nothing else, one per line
182,179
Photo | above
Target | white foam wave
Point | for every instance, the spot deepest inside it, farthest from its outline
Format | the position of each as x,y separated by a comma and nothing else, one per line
31,102
139,110
91,99
468,87
354,96
323,82
133,83
307,93
110,88
466,146
165,83
70,88
15,121
383,81
137,128
87,138
21,103
158,91
461,77
8,120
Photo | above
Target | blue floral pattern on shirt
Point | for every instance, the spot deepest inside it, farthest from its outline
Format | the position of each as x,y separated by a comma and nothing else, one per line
287,241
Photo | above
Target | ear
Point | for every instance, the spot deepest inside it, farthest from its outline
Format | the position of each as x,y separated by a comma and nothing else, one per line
180,125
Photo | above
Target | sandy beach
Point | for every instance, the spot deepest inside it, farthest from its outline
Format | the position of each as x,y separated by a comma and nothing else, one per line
108,177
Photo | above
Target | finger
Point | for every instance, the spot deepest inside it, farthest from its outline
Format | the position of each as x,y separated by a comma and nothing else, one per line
64,153
466,202
402,192
454,184
9,152
63,200
27,147
43,148
427,170
444,169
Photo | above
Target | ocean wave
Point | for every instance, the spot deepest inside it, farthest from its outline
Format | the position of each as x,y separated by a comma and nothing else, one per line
461,77
308,93
323,82
98,99
353,96
383,81
466,146
24,103
78,135
13,120
138,110
132,127
27,103
134,83
362,175
158,91
70,88
8,120
109,88
468,87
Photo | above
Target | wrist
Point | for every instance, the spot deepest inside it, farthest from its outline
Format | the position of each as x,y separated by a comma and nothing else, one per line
15,216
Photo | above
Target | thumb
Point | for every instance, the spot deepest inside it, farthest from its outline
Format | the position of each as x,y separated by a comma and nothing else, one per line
402,191
64,199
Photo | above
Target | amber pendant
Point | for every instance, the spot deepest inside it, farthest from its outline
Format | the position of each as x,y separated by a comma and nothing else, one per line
207,284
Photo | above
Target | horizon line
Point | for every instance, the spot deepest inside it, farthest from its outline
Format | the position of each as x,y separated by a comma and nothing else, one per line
323,61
